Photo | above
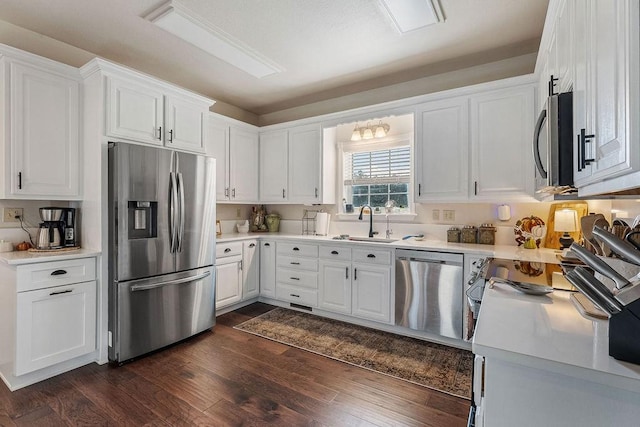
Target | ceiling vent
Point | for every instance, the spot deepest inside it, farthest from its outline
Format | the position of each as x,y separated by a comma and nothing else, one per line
409,15
177,19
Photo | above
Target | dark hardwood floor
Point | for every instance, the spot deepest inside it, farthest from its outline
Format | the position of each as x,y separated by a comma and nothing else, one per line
229,378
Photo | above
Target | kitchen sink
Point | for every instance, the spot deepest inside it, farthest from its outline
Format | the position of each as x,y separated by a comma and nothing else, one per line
372,239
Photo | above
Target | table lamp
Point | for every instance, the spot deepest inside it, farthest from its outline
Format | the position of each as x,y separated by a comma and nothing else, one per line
566,221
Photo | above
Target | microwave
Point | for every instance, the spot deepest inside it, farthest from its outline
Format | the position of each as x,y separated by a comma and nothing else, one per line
553,145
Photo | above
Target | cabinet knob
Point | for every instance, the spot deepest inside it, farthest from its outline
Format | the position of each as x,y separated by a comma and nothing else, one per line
252,245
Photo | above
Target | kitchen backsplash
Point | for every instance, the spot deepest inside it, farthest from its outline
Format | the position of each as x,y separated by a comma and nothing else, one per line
11,231
424,221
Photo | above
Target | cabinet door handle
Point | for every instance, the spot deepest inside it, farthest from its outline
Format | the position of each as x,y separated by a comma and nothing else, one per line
552,85
267,244
233,193
226,192
475,188
294,263
240,265
283,193
579,146
583,142
316,192
419,189
19,180
346,272
334,252
58,272
160,133
296,249
61,292
371,256
227,250
171,135
355,274
294,278
294,295
252,245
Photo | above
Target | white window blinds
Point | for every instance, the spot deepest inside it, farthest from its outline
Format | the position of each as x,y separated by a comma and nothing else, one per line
382,166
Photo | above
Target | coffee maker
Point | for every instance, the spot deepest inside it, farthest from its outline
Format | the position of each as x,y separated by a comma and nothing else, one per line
51,229
57,229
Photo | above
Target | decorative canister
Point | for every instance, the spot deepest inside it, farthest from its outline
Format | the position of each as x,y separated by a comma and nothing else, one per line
469,234
453,235
487,234
273,222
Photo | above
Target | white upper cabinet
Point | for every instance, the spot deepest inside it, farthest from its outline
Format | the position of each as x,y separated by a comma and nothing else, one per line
135,111
304,164
291,164
243,165
442,150
235,148
597,41
40,127
609,51
501,131
274,155
140,108
183,120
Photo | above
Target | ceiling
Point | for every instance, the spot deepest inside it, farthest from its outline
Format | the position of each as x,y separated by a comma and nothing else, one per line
325,47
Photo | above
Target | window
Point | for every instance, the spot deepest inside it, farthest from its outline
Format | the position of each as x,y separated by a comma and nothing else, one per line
377,172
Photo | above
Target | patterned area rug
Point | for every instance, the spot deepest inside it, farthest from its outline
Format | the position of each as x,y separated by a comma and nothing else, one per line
436,366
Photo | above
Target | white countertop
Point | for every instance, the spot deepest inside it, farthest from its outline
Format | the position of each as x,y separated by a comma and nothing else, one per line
547,332
26,257
497,251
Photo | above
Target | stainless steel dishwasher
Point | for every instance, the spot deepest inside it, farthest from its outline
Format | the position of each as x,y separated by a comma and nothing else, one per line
429,292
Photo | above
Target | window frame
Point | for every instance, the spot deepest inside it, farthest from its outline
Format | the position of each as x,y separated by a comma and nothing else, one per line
375,145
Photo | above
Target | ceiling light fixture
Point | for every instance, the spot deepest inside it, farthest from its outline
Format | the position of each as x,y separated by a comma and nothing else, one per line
370,131
177,19
408,15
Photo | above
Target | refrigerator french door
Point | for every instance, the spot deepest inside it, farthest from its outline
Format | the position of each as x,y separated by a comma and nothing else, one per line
161,248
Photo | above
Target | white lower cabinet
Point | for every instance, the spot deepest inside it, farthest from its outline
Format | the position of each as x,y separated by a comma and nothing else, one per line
54,325
250,269
297,273
335,286
48,319
268,268
371,292
228,282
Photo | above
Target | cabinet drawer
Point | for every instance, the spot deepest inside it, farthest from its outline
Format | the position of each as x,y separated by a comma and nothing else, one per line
372,256
296,263
299,296
306,279
48,274
297,249
224,250
335,252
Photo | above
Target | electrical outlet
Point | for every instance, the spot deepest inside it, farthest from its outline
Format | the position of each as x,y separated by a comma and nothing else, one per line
11,213
435,214
448,215
238,213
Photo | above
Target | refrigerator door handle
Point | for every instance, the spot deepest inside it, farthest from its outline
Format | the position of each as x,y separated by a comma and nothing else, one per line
135,288
173,206
180,232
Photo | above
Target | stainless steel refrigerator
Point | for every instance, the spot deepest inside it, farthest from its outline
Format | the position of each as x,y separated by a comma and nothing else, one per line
161,248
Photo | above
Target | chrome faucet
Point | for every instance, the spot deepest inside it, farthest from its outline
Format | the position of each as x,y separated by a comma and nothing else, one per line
370,218
388,208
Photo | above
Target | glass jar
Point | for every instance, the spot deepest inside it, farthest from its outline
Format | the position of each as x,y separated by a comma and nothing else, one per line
453,235
487,234
469,234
